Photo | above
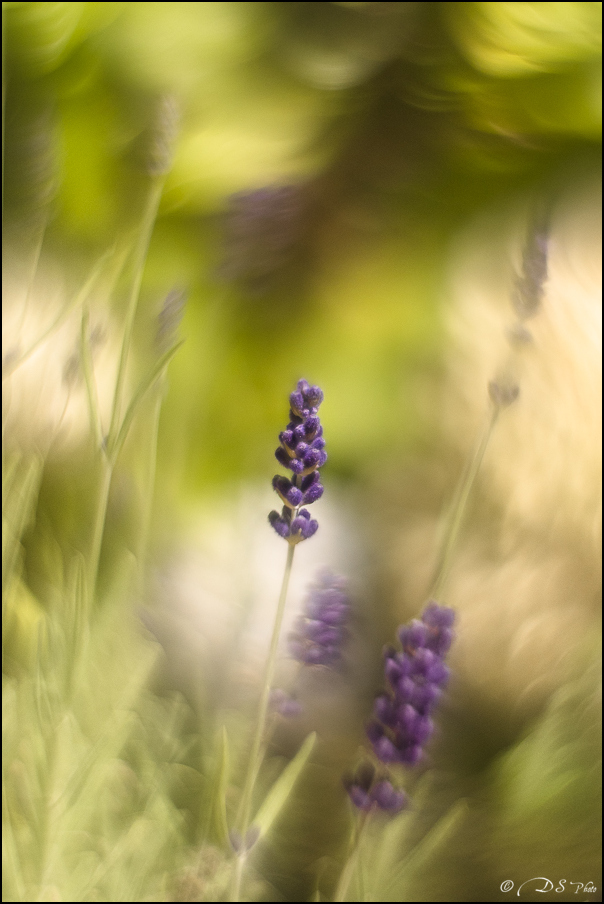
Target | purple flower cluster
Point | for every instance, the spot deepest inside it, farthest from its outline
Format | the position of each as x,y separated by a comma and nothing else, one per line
366,793
302,452
262,229
320,630
415,676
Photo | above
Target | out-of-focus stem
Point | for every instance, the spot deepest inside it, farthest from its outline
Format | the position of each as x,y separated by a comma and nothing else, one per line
459,506
150,480
108,459
91,393
99,524
142,247
254,760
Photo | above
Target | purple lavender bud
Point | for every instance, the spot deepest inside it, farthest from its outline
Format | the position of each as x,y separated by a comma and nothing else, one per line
299,434
282,457
296,400
313,655
436,616
313,396
310,457
313,494
413,636
303,527
335,613
309,480
424,697
287,438
279,524
301,450
303,386
368,794
322,634
405,719
360,798
310,428
388,798
405,686
411,755
422,729
309,529
440,642
385,750
290,494
384,710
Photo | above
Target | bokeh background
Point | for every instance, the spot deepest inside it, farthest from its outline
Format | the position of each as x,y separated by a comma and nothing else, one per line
350,192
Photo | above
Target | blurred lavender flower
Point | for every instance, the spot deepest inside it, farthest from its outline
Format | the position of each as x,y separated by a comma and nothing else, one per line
503,392
415,677
262,228
284,704
366,793
163,136
528,289
302,451
320,630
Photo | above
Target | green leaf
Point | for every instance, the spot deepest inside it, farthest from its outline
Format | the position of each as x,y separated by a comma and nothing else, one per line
427,849
282,788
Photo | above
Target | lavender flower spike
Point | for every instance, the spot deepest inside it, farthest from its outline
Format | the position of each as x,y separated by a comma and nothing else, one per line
302,452
415,676
320,630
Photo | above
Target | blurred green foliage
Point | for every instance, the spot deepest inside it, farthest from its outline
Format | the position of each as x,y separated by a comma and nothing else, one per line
396,123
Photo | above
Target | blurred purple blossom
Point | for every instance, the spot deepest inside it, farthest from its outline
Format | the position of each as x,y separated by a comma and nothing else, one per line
415,677
321,629
261,230
366,793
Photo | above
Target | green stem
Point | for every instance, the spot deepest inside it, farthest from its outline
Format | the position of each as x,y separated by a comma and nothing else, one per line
91,393
108,457
150,479
140,256
254,760
99,524
460,501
